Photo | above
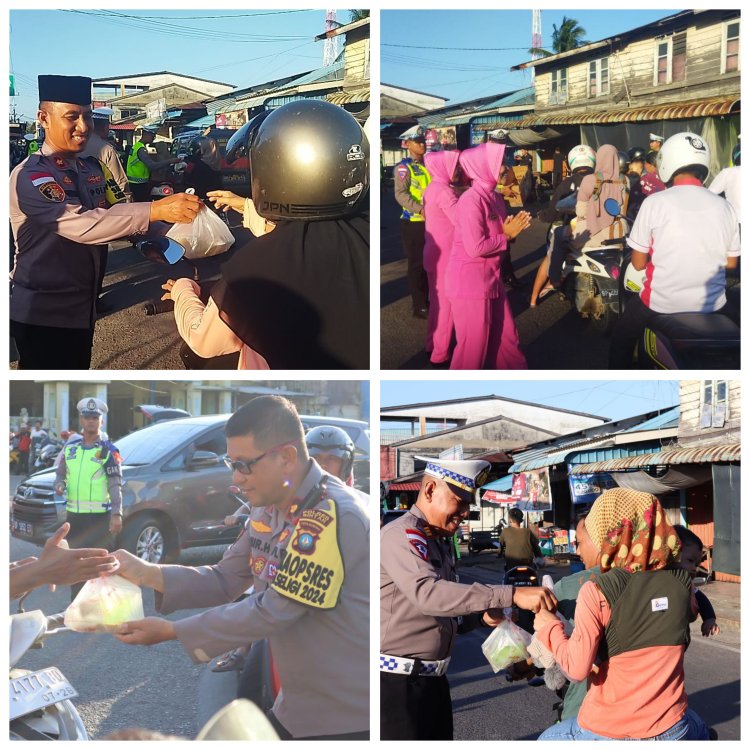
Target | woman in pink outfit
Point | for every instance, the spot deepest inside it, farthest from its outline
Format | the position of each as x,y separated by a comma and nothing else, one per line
485,331
440,216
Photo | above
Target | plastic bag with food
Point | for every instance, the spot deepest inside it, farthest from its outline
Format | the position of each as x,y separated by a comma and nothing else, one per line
103,604
206,235
505,645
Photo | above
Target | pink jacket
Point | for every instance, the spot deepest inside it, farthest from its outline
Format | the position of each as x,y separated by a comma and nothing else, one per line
439,210
474,267
205,332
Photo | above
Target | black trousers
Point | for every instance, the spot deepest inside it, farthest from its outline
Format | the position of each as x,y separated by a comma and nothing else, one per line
412,237
48,348
415,708
141,191
285,735
88,530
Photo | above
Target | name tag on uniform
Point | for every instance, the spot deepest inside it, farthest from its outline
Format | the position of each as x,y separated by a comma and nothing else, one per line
659,605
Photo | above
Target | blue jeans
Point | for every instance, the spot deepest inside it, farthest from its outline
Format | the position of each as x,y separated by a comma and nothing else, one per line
689,727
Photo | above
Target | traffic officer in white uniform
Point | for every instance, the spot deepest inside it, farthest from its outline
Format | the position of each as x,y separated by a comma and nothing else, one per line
63,211
306,553
422,605
90,476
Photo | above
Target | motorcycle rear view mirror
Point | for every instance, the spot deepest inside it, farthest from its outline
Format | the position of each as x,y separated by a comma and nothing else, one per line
162,250
612,207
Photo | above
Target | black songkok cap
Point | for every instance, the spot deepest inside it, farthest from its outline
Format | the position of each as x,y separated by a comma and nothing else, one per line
68,89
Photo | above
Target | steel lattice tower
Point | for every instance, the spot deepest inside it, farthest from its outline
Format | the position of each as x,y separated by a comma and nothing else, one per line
331,46
536,35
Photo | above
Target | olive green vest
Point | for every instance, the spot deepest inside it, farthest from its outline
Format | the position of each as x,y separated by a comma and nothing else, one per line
650,608
86,484
136,170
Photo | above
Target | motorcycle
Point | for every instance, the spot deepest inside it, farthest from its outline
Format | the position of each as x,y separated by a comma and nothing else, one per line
681,341
591,275
40,701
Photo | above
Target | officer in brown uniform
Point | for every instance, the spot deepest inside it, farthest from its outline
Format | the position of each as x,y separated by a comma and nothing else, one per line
305,551
422,605
63,211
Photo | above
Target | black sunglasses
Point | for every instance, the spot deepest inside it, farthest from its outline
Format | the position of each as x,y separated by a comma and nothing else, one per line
246,467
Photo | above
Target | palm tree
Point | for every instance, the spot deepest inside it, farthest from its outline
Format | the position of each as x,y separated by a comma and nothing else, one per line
568,36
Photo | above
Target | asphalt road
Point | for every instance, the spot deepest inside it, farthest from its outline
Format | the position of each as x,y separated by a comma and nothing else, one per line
487,707
121,686
126,339
553,335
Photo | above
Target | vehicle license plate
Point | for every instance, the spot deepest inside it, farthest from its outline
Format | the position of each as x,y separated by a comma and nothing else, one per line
38,689
23,527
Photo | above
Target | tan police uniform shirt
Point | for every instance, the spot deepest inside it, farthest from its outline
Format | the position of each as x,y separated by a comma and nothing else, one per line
321,654
61,221
420,599
105,152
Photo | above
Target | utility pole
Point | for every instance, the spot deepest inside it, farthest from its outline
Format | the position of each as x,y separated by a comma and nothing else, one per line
536,36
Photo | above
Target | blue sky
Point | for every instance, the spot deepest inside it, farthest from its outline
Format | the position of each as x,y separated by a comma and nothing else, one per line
463,74
242,47
605,398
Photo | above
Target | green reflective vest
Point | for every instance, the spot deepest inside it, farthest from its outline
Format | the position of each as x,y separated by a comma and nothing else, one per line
419,179
136,170
86,484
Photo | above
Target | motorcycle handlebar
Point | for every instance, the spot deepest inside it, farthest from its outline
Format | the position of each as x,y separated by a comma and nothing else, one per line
158,307
616,241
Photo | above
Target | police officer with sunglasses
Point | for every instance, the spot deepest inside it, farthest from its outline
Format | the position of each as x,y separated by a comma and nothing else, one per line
306,554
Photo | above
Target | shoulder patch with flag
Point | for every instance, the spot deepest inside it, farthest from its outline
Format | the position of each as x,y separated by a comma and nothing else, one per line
418,540
39,178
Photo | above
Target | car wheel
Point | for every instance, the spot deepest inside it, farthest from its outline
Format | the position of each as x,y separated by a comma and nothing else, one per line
150,539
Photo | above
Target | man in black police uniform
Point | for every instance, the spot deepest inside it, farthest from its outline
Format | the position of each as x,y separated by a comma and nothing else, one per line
64,212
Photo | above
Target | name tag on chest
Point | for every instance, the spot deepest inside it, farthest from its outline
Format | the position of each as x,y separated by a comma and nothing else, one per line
659,605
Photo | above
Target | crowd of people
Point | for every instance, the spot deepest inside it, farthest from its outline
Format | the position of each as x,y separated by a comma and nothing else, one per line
457,230
277,306
599,639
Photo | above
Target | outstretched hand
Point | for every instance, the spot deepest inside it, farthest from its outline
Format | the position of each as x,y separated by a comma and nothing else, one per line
146,632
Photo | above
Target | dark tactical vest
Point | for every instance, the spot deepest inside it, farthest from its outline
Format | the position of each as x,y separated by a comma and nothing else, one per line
649,608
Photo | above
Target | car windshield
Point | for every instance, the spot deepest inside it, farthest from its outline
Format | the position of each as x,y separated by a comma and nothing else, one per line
153,443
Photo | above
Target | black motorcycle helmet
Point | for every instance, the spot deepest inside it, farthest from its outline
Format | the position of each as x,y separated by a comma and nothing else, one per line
309,160
636,154
334,441
238,145
624,161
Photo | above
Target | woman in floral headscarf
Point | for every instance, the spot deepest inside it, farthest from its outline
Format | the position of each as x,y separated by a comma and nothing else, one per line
635,617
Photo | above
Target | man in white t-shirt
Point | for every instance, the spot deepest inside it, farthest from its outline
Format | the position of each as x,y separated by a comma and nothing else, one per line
685,238
728,181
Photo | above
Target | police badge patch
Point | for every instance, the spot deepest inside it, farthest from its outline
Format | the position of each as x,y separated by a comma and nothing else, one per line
259,563
418,542
52,192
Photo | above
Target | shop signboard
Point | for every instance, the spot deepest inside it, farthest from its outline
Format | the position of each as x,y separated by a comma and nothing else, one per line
531,490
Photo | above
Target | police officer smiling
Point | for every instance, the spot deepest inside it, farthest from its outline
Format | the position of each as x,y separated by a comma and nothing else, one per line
63,214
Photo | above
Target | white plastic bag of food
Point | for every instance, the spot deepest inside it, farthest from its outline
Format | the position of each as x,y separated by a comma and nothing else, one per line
506,645
206,235
103,604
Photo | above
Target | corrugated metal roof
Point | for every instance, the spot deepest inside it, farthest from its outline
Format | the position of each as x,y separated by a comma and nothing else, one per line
706,454
349,97
334,72
578,455
670,418
672,111
501,485
409,486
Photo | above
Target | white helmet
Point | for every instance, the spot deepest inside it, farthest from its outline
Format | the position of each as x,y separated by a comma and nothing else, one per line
581,156
683,151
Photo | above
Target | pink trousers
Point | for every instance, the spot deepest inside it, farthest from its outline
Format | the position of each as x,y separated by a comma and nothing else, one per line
486,335
439,322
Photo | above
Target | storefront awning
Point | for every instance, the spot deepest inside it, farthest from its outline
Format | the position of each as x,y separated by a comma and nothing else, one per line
405,486
578,454
704,454
498,498
713,107
349,97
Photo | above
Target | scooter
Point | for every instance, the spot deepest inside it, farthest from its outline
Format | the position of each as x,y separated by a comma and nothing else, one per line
681,341
40,701
522,575
591,276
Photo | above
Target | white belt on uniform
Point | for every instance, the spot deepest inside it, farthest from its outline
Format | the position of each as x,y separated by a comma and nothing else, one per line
402,665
